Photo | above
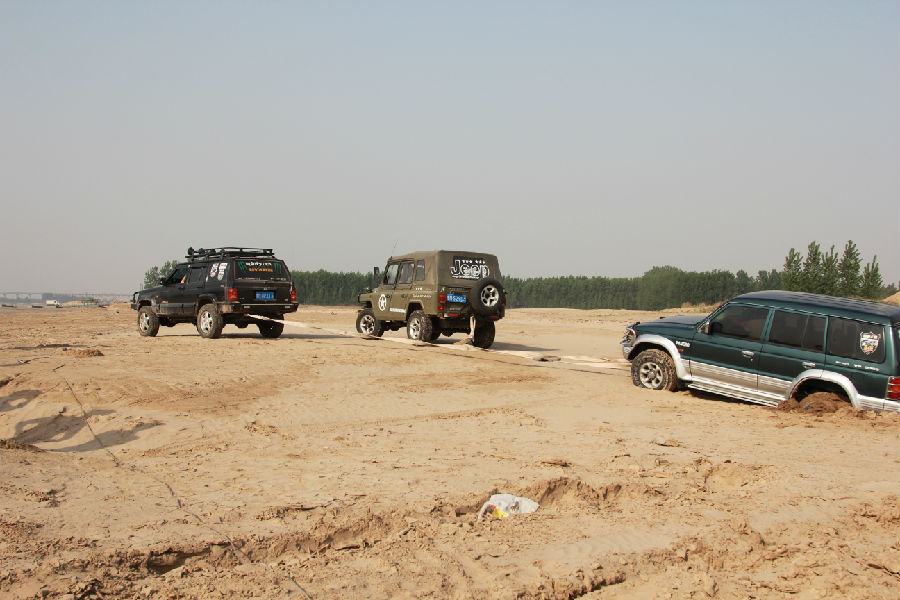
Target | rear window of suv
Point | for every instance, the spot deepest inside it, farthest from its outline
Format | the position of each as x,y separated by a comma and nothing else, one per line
269,270
849,338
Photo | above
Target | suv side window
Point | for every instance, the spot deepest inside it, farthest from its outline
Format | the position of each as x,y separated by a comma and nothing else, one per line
196,275
390,274
738,321
178,275
420,270
798,330
406,272
858,340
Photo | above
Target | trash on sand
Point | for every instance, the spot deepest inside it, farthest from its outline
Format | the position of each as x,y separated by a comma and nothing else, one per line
670,442
503,505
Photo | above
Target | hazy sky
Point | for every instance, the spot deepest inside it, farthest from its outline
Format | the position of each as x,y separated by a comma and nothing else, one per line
574,137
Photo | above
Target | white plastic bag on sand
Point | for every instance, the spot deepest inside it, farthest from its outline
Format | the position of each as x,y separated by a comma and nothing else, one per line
503,505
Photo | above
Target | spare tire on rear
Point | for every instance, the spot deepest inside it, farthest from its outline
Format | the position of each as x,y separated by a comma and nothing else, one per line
486,297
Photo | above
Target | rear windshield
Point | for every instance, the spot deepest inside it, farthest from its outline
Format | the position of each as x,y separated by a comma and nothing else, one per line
269,270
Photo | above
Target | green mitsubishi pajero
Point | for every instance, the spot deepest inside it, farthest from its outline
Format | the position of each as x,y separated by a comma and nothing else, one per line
766,347
435,292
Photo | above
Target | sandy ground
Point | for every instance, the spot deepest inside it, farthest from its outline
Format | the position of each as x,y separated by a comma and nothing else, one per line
322,465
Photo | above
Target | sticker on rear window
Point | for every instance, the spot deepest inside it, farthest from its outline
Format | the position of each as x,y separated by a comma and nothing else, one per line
868,342
469,267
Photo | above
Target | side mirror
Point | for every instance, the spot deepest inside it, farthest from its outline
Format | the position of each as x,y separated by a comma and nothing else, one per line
377,271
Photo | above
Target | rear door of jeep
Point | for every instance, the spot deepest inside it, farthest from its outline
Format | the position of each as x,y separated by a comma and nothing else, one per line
795,343
261,281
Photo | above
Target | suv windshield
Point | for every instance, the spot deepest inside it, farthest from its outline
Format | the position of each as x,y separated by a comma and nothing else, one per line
269,270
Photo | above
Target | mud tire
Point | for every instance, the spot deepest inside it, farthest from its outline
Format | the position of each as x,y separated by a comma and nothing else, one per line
148,322
484,334
367,324
420,327
653,369
486,297
209,322
270,329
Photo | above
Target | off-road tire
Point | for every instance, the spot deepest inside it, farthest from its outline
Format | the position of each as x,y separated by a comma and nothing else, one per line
367,324
653,369
270,329
484,334
209,322
148,322
435,334
419,327
486,297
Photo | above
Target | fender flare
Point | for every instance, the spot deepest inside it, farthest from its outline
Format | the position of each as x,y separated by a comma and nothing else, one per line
642,342
839,380
201,300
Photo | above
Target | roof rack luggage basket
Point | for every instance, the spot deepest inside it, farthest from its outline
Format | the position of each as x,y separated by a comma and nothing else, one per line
207,253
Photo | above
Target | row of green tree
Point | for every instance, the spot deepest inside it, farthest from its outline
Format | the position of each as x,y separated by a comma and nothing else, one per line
827,273
660,287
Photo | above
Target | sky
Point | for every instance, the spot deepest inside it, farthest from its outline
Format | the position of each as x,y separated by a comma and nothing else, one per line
568,138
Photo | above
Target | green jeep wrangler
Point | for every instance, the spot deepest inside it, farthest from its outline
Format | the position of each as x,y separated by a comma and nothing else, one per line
766,347
433,293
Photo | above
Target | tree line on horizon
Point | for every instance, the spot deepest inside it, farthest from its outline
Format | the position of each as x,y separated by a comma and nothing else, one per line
660,287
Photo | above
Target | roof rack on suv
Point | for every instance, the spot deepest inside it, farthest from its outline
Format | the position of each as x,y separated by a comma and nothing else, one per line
206,253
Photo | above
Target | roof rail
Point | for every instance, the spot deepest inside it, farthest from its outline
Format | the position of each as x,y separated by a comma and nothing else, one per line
208,253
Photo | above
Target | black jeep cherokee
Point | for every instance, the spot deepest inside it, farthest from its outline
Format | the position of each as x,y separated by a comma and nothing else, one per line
219,286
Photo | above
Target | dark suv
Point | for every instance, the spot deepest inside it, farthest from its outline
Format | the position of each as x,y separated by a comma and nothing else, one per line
766,347
219,286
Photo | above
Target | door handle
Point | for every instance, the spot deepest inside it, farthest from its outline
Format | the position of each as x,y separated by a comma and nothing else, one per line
808,365
748,353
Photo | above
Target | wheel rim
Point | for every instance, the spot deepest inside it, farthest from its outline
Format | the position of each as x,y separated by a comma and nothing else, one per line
415,329
205,321
651,375
144,322
367,324
490,295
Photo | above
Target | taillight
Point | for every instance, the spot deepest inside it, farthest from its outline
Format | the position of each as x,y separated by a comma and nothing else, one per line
442,298
293,295
232,295
893,389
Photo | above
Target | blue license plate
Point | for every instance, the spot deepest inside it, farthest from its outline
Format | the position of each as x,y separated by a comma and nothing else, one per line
455,298
265,295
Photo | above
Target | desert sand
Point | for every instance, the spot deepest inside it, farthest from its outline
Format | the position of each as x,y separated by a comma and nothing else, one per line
325,465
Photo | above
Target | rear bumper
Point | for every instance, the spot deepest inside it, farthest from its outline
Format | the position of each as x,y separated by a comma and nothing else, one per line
261,308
